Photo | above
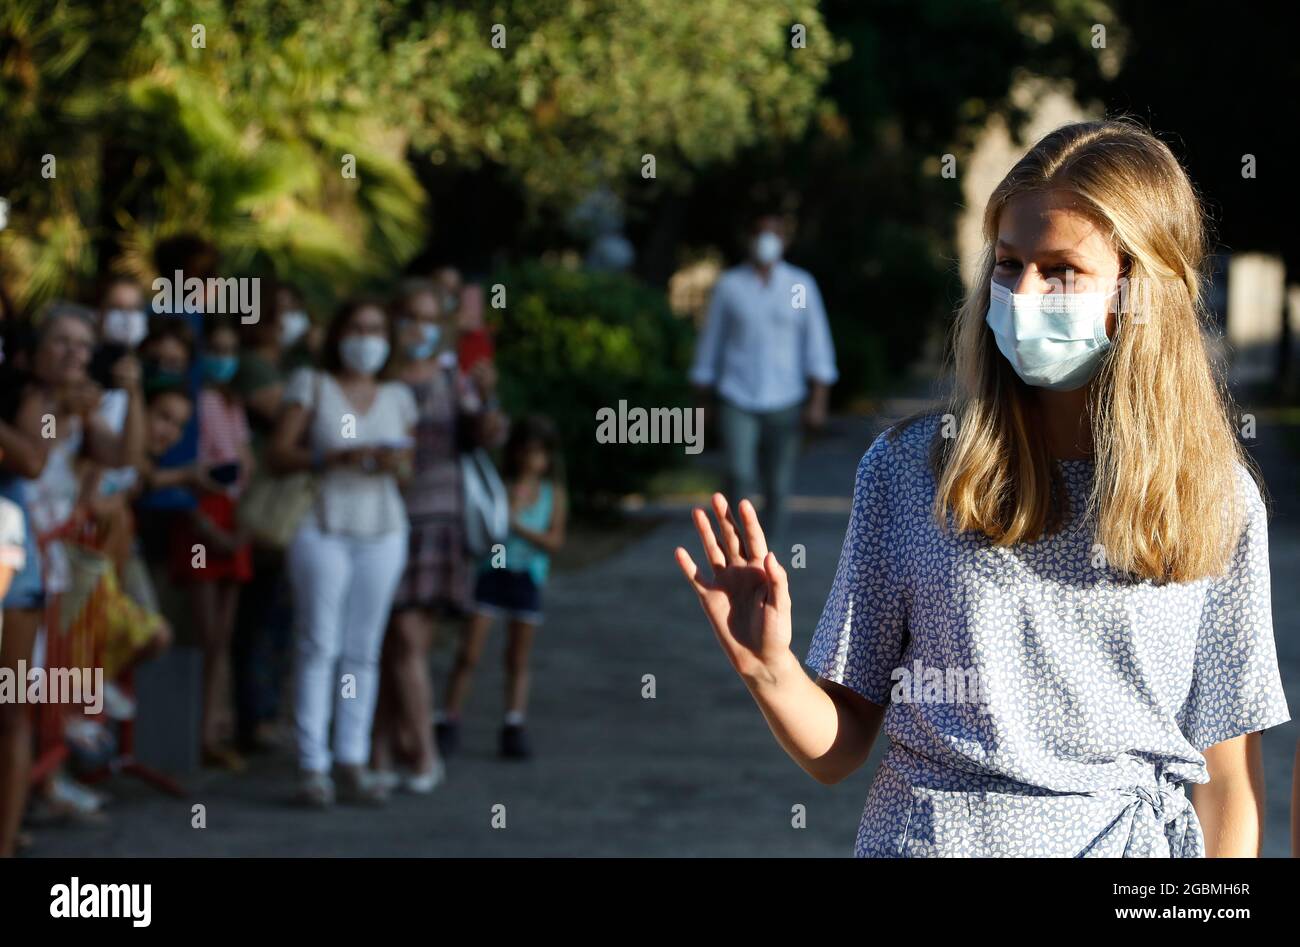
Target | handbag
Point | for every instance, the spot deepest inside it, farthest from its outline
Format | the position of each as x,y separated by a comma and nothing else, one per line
487,505
272,507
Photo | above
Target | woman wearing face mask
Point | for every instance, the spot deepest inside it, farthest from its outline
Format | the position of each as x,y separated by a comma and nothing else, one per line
123,327
49,422
437,580
1055,592
344,563
299,338
210,556
123,321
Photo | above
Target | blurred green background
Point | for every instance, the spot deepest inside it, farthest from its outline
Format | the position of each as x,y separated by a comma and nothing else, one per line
494,135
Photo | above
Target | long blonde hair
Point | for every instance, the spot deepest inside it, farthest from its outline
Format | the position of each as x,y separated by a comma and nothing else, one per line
1164,497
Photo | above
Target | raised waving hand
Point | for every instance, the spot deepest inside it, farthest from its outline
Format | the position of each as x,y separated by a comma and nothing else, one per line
743,589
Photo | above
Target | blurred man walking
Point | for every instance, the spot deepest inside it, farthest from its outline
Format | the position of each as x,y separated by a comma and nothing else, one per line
766,352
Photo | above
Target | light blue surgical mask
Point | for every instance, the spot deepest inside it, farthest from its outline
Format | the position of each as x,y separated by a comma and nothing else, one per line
767,248
428,344
1052,340
220,368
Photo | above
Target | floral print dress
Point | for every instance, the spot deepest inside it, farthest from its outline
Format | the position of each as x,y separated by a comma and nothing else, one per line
1040,703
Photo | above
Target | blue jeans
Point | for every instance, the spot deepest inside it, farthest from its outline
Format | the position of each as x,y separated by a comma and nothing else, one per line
762,446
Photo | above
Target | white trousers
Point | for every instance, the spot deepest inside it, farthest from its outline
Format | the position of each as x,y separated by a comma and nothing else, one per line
343,589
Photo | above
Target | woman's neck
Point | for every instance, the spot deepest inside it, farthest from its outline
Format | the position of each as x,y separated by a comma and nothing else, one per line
1067,426
349,377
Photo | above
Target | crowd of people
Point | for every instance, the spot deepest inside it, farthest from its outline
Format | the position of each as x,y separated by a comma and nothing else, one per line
305,500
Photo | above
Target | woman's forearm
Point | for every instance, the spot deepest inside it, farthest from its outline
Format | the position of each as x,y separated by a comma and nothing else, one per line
1230,807
283,460
547,541
828,736
133,430
1231,821
22,454
164,478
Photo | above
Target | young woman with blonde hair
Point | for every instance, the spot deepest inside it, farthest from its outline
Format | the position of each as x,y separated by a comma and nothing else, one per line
1053,593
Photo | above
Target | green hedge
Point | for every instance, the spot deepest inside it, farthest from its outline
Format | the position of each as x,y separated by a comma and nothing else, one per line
570,342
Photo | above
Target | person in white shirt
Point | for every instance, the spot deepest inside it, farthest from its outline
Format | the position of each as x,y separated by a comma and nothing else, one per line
766,354
353,429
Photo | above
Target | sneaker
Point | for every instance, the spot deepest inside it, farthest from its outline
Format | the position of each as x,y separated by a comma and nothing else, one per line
421,784
64,801
387,779
315,790
447,735
357,787
82,798
514,742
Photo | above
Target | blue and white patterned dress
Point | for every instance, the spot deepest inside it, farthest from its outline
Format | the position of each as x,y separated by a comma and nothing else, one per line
1094,695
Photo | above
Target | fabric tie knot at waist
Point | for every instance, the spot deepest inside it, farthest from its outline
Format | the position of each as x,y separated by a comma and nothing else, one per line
1167,799
1162,823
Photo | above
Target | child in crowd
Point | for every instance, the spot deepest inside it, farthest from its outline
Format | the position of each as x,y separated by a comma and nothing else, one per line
511,579
167,350
167,412
211,553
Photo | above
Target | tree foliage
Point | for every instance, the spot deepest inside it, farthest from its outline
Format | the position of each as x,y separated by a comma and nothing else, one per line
236,118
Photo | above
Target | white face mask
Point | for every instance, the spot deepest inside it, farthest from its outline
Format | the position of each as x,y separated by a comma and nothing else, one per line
364,354
767,248
1054,340
125,327
293,326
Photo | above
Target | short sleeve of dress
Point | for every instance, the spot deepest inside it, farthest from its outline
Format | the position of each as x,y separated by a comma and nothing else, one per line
404,400
301,388
1236,687
860,638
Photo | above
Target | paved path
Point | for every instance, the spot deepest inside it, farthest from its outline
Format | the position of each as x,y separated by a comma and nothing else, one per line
691,772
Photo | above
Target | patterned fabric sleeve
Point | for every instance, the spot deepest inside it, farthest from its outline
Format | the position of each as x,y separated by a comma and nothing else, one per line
859,640
1236,687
